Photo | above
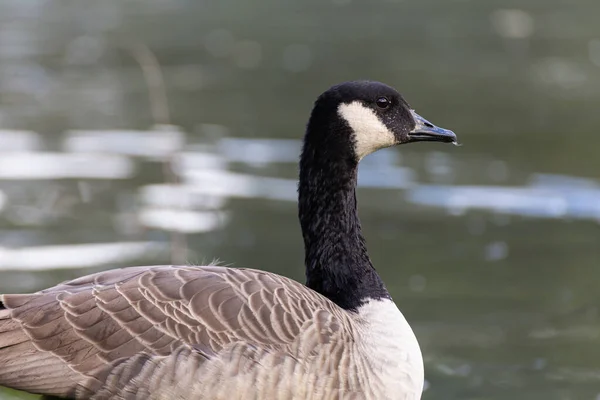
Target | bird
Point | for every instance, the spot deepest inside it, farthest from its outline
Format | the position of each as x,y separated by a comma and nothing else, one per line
176,332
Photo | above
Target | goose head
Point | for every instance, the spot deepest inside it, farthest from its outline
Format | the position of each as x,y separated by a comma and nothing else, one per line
348,122
366,116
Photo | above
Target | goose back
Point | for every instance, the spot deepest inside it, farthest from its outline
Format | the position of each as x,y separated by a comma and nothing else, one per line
175,332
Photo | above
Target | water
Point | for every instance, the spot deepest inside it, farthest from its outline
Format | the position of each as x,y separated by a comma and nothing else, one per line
491,249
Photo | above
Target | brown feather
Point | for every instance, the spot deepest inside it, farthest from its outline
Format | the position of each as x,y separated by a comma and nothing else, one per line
104,332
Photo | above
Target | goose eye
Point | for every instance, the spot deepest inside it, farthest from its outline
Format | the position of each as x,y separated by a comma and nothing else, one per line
383,102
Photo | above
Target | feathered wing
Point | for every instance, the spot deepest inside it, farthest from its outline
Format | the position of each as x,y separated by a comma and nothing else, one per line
110,329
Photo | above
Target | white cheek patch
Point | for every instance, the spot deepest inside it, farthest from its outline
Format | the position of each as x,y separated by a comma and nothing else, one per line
369,132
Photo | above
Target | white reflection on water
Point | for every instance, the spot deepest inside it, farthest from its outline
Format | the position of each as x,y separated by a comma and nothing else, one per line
185,221
15,140
233,184
547,196
180,196
77,255
157,143
193,160
208,183
197,203
258,152
38,165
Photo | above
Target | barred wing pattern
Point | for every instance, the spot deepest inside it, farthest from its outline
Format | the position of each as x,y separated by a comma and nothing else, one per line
171,332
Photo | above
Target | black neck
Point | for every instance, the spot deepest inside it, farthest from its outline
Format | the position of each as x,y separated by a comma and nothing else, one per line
337,263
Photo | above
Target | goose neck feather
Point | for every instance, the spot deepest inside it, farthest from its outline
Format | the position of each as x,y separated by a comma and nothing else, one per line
337,263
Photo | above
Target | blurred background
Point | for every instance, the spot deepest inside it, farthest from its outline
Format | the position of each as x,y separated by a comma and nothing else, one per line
491,249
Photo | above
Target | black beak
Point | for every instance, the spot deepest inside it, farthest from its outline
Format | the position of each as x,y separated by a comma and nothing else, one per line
425,131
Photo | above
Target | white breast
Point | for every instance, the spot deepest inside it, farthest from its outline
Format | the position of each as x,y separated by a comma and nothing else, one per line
391,349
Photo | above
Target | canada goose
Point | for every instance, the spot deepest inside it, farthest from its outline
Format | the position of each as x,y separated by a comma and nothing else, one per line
210,332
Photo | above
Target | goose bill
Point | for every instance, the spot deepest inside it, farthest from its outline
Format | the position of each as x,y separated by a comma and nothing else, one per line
425,131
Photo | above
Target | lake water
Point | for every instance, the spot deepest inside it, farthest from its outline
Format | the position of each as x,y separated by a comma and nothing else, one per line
491,249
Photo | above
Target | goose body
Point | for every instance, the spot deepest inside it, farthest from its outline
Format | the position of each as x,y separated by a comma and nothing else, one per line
210,332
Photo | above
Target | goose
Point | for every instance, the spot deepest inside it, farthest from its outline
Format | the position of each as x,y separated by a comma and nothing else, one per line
212,332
